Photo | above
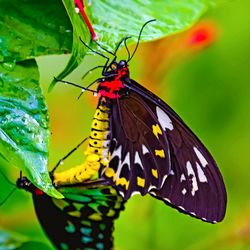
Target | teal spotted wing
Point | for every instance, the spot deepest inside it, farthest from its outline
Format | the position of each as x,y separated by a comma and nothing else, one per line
84,219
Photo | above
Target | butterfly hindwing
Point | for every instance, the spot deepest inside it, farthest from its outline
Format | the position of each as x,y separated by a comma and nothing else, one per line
138,148
84,219
164,155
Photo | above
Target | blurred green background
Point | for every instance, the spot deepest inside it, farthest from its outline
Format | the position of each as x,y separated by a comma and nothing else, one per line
202,75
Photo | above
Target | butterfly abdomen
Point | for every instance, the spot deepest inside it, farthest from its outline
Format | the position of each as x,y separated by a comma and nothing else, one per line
96,152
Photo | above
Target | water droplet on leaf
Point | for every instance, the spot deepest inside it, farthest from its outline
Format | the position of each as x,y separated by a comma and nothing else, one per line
9,66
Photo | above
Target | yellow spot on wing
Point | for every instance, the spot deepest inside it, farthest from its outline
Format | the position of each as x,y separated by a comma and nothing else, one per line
154,172
156,130
110,213
160,153
140,182
122,181
75,213
110,172
95,216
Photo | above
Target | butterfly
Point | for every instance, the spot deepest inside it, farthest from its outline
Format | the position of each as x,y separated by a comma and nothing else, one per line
84,219
144,147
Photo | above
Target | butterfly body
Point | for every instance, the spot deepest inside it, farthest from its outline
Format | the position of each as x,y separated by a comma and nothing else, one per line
84,219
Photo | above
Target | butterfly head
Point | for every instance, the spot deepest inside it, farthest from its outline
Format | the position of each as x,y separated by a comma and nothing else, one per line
119,68
115,66
24,183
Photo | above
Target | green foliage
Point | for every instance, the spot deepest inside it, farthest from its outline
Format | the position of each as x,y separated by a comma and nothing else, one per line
24,132
13,241
34,28
113,20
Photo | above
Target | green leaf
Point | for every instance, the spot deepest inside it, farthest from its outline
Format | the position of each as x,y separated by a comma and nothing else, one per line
113,20
13,241
78,50
31,28
24,129
31,245
10,240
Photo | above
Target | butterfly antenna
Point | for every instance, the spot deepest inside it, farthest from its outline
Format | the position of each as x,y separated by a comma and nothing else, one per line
76,85
139,37
100,46
90,71
66,156
95,93
94,51
126,46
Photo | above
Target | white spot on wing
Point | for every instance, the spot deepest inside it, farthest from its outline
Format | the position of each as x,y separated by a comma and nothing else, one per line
144,149
182,208
125,161
121,193
184,190
134,193
194,181
153,193
150,188
164,119
171,172
166,199
201,175
163,180
183,178
138,159
201,158
117,152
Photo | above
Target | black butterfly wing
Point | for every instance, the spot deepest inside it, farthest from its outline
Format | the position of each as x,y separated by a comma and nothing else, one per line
138,148
194,184
83,220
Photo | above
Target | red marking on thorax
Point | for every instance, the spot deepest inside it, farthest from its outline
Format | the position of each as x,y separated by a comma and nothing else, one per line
38,191
113,86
